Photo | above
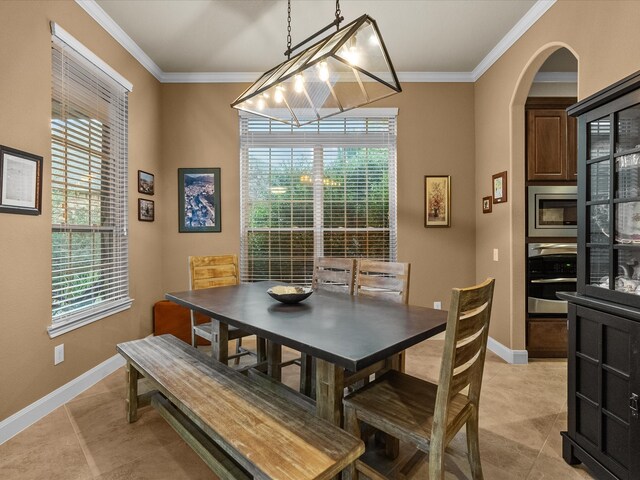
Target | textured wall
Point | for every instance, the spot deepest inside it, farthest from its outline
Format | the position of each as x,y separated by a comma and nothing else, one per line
27,372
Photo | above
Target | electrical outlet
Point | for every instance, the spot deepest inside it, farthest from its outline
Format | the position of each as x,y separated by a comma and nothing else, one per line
495,254
437,305
58,354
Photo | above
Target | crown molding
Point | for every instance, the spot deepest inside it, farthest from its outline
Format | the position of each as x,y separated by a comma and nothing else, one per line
512,36
556,77
105,21
250,77
96,12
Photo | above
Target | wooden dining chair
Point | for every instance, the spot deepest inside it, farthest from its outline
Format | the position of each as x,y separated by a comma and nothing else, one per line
332,274
384,280
208,272
424,414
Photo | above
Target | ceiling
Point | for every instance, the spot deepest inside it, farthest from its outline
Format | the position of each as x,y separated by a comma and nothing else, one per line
237,36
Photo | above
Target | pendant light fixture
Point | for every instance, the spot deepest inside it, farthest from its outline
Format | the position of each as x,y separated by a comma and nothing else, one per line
347,69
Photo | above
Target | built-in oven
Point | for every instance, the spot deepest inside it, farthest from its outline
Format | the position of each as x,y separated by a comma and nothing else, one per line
551,268
553,211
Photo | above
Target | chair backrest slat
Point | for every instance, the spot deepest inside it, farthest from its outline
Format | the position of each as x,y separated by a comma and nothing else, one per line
387,280
213,271
334,274
465,347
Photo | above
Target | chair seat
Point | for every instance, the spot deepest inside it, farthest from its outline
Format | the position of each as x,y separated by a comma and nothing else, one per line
403,406
204,330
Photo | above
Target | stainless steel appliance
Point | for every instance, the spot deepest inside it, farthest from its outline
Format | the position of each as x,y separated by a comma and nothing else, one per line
552,211
551,268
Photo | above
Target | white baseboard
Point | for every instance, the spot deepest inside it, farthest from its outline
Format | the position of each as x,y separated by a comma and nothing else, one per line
29,415
516,357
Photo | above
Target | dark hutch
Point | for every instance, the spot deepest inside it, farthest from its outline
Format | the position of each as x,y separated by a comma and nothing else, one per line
604,313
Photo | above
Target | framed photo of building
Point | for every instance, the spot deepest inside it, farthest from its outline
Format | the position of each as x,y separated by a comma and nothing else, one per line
146,183
437,201
199,200
146,210
20,182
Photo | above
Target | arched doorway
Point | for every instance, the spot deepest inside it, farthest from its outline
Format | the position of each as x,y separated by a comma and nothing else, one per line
518,175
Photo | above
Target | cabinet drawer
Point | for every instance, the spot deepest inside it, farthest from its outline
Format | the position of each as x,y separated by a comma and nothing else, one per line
547,338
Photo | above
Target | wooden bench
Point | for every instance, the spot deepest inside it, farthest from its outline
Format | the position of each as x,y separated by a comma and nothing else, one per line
237,425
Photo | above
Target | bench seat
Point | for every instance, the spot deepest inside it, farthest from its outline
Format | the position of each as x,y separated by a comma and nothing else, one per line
264,434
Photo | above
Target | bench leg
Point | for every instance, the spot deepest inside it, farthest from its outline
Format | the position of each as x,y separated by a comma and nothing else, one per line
132,393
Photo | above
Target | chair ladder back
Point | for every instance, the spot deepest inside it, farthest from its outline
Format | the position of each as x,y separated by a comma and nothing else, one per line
213,271
386,280
334,274
464,346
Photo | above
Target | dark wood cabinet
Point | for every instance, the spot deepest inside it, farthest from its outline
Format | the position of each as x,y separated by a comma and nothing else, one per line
551,140
547,337
604,313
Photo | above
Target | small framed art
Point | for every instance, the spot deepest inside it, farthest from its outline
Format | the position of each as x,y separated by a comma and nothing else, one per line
20,182
199,200
499,186
437,201
146,210
486,204
146,183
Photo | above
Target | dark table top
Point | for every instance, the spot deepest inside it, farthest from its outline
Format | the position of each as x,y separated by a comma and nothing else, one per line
349,331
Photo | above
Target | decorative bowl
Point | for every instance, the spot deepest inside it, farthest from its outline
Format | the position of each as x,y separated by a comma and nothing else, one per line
289,294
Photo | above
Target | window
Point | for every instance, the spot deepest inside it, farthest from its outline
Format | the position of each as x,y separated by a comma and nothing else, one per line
324,189
88,188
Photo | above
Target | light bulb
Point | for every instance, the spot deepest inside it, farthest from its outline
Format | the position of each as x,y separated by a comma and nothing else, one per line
354,55
323,72
260,104
278,96
374,40
298,85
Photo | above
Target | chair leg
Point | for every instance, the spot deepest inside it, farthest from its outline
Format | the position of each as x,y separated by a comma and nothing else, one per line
473,446
352,426
436,457
238,347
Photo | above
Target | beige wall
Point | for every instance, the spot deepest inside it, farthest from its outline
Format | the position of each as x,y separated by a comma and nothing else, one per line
26,351
435,137
604,38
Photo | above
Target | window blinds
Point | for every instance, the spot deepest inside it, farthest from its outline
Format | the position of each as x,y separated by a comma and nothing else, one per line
324,189
88,190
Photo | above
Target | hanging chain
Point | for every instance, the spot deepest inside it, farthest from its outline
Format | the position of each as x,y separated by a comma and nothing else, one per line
338,13
289,28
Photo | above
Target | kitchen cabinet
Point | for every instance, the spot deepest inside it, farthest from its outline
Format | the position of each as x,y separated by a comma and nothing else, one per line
551,140
604,314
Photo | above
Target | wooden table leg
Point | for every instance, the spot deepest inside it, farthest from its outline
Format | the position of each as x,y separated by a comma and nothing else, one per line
274,360
329,391
220,341
132,393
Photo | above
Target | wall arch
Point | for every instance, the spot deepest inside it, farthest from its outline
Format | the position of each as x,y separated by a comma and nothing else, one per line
517,171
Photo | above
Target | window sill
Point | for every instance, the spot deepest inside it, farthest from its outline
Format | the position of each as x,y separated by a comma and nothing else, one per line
64,326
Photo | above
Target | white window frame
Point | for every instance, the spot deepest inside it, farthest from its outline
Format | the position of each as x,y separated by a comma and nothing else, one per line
94,66
280,139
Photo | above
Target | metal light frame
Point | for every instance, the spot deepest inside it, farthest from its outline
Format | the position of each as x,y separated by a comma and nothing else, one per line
328,96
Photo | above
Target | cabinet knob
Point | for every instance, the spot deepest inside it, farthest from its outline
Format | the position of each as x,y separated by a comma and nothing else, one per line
633,405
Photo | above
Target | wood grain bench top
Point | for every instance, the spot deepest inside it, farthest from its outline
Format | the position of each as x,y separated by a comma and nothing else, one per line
269,436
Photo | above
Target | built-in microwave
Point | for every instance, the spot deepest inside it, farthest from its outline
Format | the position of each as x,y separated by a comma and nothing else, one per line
553,211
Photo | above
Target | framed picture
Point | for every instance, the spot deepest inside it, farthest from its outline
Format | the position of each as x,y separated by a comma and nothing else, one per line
437,201
499,186
20,182
199,200
146,183
146,210
486,204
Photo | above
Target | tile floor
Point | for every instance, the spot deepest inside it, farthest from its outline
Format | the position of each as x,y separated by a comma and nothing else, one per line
523,410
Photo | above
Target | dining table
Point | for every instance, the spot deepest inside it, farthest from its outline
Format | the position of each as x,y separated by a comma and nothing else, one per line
350,337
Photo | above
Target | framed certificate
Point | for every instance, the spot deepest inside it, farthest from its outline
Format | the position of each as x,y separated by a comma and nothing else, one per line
20,182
